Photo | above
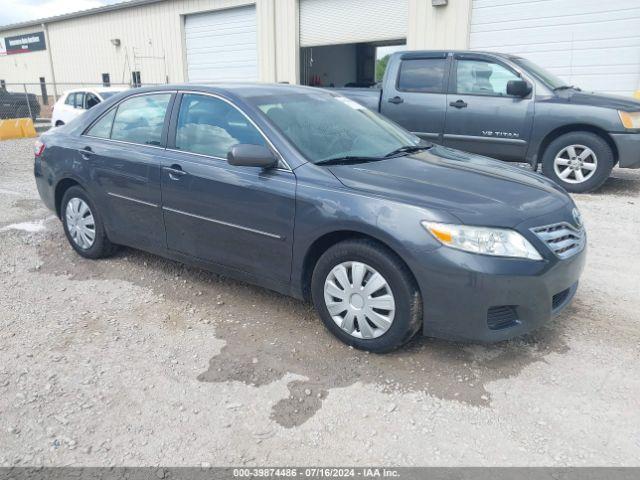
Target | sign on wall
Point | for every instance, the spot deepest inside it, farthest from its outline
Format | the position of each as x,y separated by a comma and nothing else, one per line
3,50
30,42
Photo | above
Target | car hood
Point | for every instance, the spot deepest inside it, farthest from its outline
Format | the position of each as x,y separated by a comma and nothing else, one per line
603,100
475,189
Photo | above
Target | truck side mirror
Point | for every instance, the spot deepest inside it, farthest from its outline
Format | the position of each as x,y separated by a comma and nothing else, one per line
518,88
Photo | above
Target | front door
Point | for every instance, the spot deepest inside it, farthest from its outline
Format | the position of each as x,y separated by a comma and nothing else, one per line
481,117
239,217
416,98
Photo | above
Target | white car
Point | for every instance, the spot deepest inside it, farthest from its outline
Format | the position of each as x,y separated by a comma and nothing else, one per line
74,103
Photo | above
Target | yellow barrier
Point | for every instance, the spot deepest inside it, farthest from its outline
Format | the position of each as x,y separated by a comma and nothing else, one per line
637,94
17,128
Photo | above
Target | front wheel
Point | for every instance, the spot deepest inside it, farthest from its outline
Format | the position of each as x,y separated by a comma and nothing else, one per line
578,161
366,296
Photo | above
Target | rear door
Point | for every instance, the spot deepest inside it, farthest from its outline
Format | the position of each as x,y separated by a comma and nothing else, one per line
236,216
415,95
125,148
481,117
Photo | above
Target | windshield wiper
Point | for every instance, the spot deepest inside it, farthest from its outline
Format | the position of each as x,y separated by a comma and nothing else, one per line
347,159
408,149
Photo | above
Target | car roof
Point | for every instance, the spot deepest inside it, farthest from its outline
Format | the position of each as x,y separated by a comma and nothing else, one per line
243,90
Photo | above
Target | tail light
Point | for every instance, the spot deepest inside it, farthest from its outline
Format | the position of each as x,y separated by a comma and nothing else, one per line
38,148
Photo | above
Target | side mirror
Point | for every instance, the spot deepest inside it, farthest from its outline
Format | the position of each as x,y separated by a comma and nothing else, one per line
245,155
518,88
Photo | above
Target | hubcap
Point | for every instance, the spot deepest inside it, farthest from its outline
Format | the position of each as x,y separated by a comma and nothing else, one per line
575,163
359,300
80,223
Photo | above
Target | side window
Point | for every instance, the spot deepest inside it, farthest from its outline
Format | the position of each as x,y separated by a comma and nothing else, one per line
141,119
79,103
70,100
210,126
102,128
91,100
478,77
424,75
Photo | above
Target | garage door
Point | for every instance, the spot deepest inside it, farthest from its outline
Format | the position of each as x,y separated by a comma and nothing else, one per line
590,43
222,45
330,22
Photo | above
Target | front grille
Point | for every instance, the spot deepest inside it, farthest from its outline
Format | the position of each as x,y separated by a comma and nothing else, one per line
563,239
502,316
559,298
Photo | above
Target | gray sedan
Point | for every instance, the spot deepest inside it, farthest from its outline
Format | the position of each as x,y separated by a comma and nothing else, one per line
310,194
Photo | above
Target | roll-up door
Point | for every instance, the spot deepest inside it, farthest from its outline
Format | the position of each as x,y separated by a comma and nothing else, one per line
222,45
590,43
330,22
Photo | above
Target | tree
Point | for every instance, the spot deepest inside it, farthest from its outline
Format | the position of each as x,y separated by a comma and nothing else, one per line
381,66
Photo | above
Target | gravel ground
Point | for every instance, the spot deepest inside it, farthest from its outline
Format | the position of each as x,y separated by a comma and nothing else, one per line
137,360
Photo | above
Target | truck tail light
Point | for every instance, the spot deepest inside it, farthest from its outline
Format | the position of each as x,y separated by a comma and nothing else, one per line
38,148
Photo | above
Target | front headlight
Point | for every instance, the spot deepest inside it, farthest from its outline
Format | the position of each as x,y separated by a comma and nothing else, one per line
499,242
630,120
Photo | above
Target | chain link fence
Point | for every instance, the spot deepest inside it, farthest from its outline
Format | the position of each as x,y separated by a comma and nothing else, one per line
50,104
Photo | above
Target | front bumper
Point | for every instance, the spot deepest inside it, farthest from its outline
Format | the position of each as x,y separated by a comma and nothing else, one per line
628,146
463,292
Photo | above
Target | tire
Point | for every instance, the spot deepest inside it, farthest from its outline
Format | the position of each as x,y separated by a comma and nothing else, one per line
406,319
559,153
100,246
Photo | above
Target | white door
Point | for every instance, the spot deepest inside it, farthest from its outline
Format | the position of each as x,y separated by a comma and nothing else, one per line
592,44
331,22
222,45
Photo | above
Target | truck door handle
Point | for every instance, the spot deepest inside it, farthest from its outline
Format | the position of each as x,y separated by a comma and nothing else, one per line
459,104
175,171
396,100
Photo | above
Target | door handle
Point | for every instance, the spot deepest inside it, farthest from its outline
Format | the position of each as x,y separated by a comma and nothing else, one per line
175,171
396,100
458,104
86,153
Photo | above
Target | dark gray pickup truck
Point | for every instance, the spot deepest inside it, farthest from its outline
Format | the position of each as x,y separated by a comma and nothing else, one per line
506,107
18,105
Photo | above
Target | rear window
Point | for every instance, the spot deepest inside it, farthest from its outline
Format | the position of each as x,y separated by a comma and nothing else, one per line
424,75
141,119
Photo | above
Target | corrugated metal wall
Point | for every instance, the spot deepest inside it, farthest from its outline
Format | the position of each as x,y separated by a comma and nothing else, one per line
152,40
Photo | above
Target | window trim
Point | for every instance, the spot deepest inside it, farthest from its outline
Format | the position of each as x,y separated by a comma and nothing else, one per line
173,130
83,94
165,126
453,90
445,77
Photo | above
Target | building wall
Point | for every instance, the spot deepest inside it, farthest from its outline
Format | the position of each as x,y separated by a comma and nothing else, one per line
441,27
25,67
152,41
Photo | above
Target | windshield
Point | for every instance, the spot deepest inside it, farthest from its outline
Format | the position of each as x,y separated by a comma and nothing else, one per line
548,78
325,126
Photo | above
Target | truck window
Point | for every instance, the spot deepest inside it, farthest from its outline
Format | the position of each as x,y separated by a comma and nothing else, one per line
424,75
477,77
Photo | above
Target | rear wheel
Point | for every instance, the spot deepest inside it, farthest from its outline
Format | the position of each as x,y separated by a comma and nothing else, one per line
83,225
578,161
366,296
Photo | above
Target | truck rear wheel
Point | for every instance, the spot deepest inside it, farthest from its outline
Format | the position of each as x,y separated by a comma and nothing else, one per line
578,161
